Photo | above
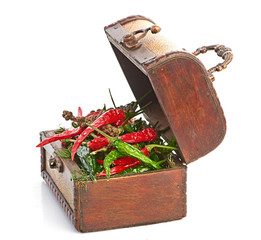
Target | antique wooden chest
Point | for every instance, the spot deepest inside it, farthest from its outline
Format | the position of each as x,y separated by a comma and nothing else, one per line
183,97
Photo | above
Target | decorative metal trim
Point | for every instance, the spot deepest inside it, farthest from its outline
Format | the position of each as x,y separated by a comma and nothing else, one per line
129,19
58,196
131,41
139,55
222,51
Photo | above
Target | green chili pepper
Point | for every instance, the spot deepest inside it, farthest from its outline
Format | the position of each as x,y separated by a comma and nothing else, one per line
127,149
113,155
131,151
169,148
75,125
140,168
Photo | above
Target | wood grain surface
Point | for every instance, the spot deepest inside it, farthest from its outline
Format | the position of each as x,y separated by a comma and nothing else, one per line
182,93
126,201
123,201
190,103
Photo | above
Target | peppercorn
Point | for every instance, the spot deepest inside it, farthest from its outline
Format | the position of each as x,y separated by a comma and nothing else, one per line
90,119
128,108
110,130
68,115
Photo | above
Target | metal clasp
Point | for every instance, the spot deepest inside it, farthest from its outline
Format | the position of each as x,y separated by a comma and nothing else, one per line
132,41
55,162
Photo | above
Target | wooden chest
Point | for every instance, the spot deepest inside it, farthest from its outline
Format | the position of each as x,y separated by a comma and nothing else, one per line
183,97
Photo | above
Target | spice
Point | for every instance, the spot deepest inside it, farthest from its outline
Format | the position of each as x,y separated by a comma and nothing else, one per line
118,169
93,113
138,169
112,141
126,160
67,115
113,155
66,134
110,116
98,143
110,130
79,112
146,135
128,150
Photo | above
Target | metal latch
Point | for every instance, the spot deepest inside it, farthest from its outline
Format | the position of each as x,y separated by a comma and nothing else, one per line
55,162
132,41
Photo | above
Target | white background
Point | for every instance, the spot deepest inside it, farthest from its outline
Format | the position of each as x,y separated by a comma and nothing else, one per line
54,55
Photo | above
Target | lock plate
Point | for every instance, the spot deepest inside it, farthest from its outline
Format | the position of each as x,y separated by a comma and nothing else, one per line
116,34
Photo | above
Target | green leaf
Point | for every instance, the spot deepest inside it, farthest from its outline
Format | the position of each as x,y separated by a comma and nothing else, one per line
153,155
87,160
128,128
137,125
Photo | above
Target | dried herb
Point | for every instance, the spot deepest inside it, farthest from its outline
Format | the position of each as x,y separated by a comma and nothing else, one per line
59,130
64,153
81,176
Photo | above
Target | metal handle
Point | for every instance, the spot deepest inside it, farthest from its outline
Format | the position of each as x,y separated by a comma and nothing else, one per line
133,42
55,162
222,51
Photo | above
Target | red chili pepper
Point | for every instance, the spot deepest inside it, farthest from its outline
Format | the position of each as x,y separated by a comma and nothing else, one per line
119,168
99,135
146,135
108,117
145,151
98,143
127,160
66,134
124,161
119,122
64,144
120,161
93,114
100,161
79,112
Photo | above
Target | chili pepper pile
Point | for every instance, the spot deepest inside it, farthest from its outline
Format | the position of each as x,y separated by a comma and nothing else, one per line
112,141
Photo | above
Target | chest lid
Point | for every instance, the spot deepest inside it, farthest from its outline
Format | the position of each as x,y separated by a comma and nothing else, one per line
182,93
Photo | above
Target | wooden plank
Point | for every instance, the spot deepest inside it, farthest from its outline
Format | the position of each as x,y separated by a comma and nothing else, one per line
126,201
123,201
190,103
63,180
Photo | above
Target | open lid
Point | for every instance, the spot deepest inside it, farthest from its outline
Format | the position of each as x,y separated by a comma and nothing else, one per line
182,93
